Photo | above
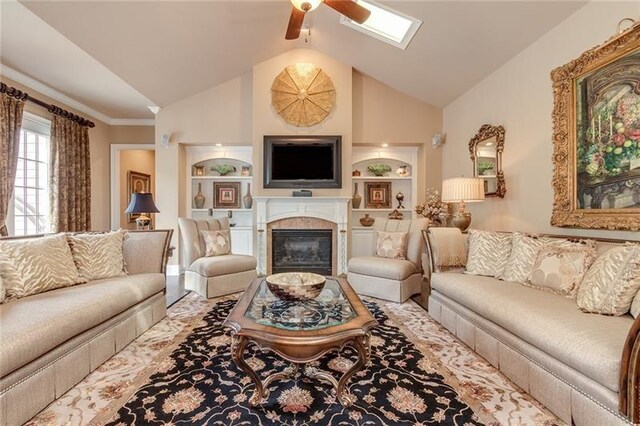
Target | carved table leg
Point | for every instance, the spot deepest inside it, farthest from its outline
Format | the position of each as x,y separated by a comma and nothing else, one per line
288,373
363,348
238,345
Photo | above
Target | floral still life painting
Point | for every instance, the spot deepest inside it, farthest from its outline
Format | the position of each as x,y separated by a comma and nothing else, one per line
596,136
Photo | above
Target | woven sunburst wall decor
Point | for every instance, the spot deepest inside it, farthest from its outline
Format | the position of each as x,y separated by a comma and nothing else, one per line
303,95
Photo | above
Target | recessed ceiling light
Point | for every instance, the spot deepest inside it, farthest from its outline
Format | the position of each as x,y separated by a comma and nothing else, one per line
218,144
384,145
154,109
386,24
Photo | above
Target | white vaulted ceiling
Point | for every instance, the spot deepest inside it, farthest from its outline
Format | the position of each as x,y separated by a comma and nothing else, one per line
129,54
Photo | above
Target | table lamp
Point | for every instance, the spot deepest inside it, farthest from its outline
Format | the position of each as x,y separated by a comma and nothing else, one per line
462,190
142,203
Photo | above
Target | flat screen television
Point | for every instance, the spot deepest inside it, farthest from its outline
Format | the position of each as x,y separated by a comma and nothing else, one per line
302,162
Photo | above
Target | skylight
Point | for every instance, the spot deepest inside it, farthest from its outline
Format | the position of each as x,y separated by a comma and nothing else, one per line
386,24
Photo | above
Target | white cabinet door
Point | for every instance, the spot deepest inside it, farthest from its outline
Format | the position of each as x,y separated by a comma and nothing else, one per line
363,242
242,241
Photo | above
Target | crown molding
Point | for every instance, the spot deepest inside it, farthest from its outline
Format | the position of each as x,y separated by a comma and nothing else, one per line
61,97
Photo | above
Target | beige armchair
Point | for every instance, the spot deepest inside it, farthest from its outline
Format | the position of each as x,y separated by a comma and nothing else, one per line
391,279
216,275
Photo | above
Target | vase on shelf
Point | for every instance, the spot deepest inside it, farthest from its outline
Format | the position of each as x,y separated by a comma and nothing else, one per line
247,200
199,199
356,199
367,220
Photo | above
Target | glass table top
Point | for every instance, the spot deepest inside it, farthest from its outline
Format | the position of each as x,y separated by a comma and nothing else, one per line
330,308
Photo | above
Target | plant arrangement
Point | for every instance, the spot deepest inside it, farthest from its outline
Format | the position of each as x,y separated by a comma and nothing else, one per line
484,166
223,169
433,208
379,169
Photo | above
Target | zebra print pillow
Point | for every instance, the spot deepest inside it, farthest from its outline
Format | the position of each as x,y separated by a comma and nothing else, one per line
43,263
98,256
9,277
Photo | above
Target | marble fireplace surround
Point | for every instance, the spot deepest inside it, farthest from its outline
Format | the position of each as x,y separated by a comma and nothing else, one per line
302,213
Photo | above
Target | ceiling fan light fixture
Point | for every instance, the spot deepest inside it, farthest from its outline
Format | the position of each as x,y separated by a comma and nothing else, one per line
306,5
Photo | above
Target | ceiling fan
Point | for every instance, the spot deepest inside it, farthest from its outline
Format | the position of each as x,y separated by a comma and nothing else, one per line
348,8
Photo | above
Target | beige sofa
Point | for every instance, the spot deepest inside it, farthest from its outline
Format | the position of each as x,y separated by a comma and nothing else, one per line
216,275
391,279
581,366
51,341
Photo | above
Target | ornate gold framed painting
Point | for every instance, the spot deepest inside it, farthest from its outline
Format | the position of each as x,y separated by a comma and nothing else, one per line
596,136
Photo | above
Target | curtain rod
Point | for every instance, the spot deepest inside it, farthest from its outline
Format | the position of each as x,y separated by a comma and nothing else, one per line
53,109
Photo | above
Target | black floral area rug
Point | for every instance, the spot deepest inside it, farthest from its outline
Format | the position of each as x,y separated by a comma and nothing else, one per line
200,384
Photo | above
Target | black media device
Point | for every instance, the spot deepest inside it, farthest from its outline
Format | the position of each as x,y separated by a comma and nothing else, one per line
302,162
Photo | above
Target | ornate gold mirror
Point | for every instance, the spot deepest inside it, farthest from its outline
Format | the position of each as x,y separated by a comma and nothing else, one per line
486,155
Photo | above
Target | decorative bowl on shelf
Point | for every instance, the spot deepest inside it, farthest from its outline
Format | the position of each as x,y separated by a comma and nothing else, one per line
224,169
379,169
296,286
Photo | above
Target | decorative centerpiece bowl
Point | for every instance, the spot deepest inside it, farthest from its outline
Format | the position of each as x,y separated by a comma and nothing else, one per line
296,286
224,169
379,169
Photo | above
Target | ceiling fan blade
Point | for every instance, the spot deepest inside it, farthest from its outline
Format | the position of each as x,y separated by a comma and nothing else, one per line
350,9
295,24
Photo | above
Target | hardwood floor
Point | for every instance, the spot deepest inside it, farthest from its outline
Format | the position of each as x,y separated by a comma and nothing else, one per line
175,289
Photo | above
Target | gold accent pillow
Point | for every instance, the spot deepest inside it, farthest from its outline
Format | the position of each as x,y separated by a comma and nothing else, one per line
44,263
98,256
524,251
561,265
216,243
392,245
488,253
613,281
635,306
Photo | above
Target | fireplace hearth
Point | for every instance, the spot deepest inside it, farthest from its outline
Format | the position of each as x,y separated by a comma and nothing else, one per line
302,250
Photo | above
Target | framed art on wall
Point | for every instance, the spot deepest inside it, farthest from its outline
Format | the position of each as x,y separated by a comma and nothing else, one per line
137,182
377,195
226,195
596,137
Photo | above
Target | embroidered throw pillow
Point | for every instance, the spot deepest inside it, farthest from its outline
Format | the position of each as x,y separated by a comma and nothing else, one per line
635,306
98,256
488,253
9,277
216,243
612,282
43,263
392,245
561,265
524,251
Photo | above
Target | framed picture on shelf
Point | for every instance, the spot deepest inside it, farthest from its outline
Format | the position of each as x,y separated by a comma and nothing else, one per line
137,182
377,195
226,195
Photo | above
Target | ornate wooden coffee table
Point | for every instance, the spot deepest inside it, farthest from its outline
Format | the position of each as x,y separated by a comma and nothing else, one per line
301,332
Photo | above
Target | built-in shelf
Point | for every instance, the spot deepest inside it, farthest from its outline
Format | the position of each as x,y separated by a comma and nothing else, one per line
222,210
376,210
382,177
227,178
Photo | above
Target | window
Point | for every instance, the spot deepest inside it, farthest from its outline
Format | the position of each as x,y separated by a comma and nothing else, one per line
386,24
31,189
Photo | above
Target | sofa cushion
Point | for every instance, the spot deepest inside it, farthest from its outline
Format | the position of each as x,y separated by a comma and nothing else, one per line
589,343
98,256
43,263
392,269
392,245
217,243
223,265
612,282
524,251
488,252
635,306
34,325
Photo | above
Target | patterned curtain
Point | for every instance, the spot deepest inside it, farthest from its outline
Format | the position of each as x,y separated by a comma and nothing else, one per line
10,122
70,176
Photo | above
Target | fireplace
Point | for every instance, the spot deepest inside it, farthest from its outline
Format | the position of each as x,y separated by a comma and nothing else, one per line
304,250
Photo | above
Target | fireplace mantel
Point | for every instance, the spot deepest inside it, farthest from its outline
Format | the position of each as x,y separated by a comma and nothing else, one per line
332,209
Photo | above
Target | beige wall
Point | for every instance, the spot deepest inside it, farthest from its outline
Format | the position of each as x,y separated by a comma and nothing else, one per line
519,96
239,112
137,160
101,138
381,114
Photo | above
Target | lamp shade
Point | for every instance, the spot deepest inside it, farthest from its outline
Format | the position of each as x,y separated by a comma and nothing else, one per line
464,189
142,202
